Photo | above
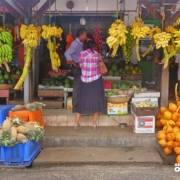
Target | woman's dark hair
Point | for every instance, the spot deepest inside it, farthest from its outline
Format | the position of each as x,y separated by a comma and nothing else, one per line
90,44
81,31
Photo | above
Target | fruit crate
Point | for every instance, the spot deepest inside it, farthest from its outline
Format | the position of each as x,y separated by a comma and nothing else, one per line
4,110
22,154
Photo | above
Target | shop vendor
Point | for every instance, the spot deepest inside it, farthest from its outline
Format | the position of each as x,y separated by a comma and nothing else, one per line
72,55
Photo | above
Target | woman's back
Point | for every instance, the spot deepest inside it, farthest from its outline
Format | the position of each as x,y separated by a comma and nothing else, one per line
89,63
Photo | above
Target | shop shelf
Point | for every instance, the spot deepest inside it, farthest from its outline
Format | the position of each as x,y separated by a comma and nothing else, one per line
4,110
21,154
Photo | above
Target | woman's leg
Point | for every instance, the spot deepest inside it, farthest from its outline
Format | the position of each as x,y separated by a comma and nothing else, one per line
77,119
95,117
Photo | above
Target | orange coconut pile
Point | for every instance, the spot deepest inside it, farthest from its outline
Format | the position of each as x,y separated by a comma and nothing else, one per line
168,123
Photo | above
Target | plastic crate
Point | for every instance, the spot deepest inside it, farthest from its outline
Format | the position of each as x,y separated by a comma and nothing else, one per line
21,154
1,155
4,110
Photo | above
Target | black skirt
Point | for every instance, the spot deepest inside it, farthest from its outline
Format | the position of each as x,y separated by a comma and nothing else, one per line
90,97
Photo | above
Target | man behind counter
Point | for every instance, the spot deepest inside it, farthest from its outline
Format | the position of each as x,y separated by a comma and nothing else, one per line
72,55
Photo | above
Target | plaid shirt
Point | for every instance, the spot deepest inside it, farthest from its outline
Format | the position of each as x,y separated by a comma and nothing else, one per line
89,63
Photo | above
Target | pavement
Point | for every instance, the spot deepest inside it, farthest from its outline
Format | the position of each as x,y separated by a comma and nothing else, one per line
95,172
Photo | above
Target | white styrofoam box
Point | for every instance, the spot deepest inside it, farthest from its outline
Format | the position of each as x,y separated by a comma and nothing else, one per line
153,100
144,124
149,94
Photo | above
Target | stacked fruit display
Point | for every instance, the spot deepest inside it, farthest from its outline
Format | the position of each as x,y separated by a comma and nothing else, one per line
128,69
113,70
6,52
11,77
59,81
15,131
117,36
168,122
50,33
30,34
131,70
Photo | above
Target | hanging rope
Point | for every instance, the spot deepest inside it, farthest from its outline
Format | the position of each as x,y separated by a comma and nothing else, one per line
138,9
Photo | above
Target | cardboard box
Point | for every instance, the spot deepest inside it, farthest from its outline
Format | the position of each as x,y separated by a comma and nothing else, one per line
117,109
144,124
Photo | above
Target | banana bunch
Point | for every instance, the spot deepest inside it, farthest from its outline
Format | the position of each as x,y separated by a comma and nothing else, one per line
55,60
50,33
154,31
170,29
150,47
6,38
162,39
5,46
177,38
127,48
117,36
30,34
6,52
139,31
177,22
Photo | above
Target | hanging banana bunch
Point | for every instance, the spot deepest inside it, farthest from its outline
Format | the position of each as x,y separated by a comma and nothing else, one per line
30,34
177,22
50,33
177,39
162,40
6,45
117,36
139,31
128,47
150,47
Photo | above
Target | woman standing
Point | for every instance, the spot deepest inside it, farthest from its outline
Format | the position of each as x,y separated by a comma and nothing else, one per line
91,98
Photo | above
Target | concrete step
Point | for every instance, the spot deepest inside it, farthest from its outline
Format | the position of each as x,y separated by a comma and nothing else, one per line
93,172
61,117
97,156
100,137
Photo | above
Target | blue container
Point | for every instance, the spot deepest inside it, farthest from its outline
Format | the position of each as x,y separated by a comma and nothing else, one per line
21,154
4,110
1,155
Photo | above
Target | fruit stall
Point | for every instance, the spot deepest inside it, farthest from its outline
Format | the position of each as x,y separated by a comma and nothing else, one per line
138,55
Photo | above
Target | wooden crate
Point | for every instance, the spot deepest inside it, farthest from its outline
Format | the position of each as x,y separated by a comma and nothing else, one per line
4,94
50,93
53,104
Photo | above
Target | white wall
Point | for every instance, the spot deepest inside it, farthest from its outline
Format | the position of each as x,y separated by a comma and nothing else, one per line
81,5
103,5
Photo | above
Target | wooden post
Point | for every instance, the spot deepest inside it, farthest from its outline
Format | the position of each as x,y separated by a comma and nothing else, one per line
164,86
